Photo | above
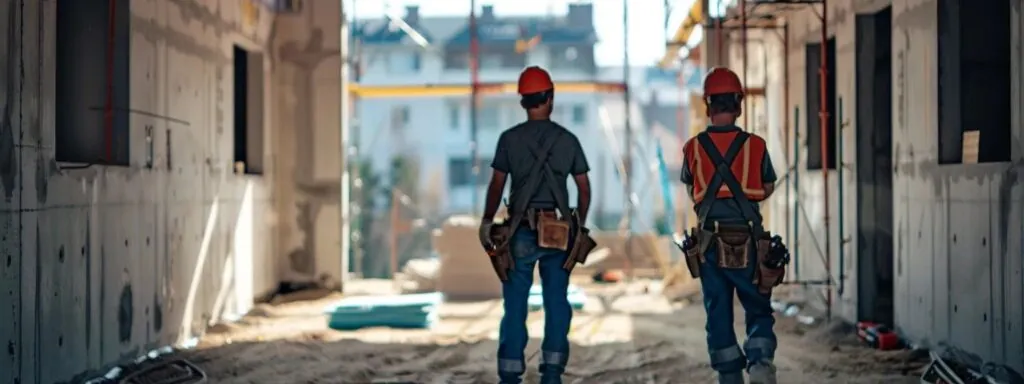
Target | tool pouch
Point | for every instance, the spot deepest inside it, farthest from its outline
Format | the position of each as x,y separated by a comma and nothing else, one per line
501,255
766,278
734,246
552,232
694,256
582,245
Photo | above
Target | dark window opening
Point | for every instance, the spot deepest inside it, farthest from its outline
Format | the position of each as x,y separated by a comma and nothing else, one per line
579,114
873,174
813,95
84,134
248,111
974,81
490,58
460,172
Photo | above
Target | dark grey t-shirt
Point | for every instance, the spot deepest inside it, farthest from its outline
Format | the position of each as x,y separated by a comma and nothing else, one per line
728,210
514,157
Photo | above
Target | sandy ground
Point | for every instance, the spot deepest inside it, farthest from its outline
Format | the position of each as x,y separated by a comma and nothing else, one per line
624,335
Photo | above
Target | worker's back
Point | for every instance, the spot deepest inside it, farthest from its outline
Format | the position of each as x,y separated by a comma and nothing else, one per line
751,166
515,157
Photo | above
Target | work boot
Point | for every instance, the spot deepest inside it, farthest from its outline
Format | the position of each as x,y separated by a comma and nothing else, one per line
762,372
730,377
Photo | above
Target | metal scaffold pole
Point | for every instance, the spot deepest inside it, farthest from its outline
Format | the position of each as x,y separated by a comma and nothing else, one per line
354,151
627,223
344,112
474,100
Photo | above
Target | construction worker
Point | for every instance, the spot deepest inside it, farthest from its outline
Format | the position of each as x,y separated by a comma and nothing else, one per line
727,173
539,155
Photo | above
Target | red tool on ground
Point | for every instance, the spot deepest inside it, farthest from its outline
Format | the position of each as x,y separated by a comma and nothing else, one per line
877,335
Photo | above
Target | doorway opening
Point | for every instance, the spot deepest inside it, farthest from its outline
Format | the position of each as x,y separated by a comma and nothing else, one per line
874,167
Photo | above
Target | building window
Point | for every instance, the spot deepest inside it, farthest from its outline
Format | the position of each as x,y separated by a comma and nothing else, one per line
456,58
84,134
404,62
571,57
814,147
399,117
460,172
489,115
454,115
579,114
248,111
974,81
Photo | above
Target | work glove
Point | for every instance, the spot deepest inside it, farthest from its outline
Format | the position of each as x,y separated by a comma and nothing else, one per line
485,234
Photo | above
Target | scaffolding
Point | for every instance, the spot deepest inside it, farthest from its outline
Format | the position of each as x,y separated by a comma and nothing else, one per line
765,15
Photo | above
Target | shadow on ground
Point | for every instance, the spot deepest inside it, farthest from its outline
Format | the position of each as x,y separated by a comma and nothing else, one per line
353,361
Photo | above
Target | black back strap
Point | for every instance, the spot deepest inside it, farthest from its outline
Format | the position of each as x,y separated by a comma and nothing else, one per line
723,175
529,188
552,180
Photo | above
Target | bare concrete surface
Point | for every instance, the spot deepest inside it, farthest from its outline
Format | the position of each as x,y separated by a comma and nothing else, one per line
624,335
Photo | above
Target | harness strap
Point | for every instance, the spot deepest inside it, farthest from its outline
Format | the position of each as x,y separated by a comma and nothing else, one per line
549,175
530,187
723,175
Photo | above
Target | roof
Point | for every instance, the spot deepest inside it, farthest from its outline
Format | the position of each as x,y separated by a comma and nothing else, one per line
384,32
455,31
508,30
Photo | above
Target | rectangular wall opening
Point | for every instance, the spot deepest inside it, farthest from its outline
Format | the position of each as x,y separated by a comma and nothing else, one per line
248,111
874,167
813,96
90,128
974,81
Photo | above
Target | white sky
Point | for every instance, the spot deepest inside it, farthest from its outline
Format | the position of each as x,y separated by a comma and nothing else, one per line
647,29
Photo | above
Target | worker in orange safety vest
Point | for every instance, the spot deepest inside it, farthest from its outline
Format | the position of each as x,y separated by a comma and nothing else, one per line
728,173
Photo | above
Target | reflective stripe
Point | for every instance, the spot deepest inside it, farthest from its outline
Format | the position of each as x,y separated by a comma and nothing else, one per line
511,366
556,358
764,344
726,355
696,150
746,164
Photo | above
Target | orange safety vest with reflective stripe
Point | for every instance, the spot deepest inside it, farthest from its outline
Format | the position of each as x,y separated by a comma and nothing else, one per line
746,166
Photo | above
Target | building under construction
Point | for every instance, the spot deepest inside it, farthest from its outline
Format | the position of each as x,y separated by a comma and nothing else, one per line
179,195
900,126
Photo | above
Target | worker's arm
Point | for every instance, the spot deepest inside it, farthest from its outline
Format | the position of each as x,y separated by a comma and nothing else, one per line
494,191
579,170
686,176
768,176
501,166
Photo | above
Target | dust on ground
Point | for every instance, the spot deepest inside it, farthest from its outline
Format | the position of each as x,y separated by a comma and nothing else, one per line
623,335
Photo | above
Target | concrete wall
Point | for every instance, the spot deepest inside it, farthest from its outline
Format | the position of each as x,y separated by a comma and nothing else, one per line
104,263
958,228
307,108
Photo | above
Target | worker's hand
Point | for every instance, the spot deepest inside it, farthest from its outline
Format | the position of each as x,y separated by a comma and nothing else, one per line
484,233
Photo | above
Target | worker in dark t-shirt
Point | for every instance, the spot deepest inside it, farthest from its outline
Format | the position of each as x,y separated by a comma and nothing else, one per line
515,156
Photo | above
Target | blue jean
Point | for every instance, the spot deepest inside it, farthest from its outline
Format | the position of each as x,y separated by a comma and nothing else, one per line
718,285
557,311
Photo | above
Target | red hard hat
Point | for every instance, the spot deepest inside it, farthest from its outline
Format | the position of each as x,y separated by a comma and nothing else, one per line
722,81
534,80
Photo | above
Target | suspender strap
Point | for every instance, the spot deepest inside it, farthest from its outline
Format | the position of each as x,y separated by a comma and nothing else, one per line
723,175
532,184
549,175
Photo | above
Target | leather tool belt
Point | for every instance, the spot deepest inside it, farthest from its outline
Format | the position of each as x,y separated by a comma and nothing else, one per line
553,232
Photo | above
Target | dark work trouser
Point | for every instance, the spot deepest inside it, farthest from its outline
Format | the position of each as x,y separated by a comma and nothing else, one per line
718,285
557,311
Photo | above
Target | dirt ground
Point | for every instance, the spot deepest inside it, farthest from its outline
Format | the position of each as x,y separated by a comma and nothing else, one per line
623,335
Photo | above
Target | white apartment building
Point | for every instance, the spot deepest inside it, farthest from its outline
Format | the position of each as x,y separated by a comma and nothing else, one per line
435,131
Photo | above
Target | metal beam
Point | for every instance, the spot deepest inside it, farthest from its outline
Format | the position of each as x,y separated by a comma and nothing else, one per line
434,90
693,18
